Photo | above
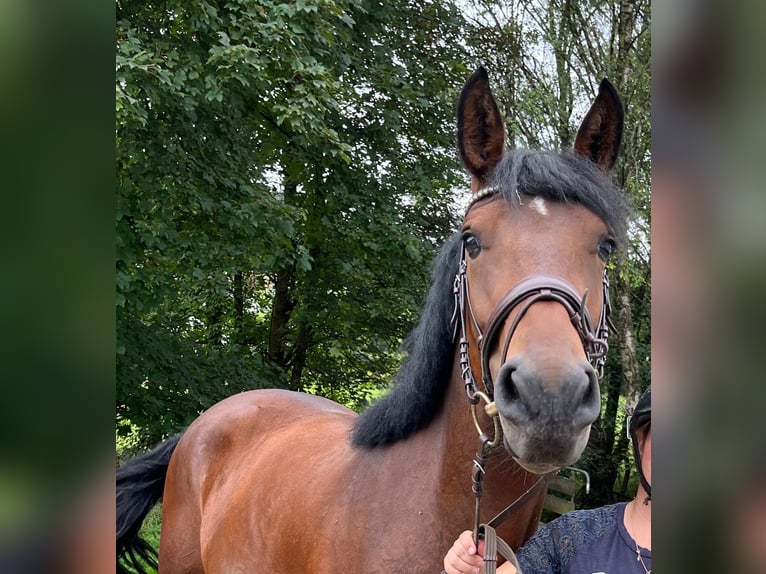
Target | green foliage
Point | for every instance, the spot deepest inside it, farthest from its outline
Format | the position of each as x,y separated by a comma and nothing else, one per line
264,146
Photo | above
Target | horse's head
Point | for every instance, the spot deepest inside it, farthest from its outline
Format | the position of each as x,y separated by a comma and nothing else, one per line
536,239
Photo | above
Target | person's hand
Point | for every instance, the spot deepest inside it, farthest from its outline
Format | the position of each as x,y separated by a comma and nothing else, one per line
464,557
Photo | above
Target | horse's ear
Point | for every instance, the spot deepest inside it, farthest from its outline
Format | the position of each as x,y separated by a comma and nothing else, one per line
600,134
480,128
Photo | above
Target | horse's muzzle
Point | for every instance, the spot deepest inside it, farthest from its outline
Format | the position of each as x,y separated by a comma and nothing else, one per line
546,417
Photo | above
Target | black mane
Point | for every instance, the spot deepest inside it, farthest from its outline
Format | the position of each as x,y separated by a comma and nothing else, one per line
421,382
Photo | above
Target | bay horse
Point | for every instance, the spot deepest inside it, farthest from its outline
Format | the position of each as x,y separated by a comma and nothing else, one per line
280,481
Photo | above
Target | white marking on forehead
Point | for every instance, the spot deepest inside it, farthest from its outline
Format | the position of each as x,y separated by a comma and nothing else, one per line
538,204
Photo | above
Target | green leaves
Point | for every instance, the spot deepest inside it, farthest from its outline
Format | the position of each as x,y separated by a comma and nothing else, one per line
263,153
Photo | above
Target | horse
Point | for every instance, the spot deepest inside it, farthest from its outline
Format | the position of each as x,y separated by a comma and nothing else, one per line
499,388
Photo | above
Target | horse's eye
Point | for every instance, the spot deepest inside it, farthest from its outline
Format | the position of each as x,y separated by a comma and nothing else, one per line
472,245
606,248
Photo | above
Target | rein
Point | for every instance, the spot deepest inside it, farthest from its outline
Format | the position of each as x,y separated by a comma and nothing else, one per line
524,294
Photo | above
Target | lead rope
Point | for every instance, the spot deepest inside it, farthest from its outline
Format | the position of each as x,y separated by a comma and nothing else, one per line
494,545
477,485
486,532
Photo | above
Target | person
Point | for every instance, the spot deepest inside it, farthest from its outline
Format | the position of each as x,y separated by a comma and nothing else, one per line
607,540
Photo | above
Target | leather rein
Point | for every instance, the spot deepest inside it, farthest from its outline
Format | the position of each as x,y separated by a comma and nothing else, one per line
523,295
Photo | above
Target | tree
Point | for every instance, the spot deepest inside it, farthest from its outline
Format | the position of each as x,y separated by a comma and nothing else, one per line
283,179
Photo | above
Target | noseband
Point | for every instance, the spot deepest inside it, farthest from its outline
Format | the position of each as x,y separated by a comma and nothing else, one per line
524,294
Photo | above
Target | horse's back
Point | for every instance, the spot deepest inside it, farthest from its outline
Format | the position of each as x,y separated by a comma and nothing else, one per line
241,460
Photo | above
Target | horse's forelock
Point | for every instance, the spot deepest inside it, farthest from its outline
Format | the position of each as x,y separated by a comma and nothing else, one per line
422,380
562,176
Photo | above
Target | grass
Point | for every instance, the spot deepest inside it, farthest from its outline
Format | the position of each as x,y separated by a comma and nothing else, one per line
151,528
150,531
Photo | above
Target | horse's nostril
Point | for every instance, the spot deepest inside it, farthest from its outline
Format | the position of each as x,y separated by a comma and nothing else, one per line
512,390
592,392
571,398
514,394
589,405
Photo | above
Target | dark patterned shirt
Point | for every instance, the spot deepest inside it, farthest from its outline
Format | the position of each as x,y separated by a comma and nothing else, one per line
584,542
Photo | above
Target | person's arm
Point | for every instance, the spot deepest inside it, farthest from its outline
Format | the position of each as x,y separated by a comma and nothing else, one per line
465,558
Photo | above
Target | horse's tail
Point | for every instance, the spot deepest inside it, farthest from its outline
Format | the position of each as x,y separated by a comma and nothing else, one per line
140,484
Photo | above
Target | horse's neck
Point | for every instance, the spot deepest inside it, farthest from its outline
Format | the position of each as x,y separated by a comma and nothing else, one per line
423,483
458,437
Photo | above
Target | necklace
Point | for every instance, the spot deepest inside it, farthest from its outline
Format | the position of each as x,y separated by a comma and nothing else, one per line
640,558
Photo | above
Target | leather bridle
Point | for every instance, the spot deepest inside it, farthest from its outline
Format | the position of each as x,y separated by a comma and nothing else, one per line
524,294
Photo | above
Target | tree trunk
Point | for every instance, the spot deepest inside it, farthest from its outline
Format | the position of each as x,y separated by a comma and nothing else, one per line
626,27
302,345
626,32
283,304
560,26
281,309
215,314
625,331
238,292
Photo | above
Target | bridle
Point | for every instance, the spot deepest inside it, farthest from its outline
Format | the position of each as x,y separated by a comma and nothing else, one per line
523,295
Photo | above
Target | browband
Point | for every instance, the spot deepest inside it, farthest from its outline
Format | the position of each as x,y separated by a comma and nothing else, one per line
481,194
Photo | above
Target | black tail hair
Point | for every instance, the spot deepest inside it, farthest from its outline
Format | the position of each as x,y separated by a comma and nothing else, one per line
140,483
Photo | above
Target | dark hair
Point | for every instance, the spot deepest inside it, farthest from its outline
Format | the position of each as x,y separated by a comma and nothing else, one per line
562,176
421,382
